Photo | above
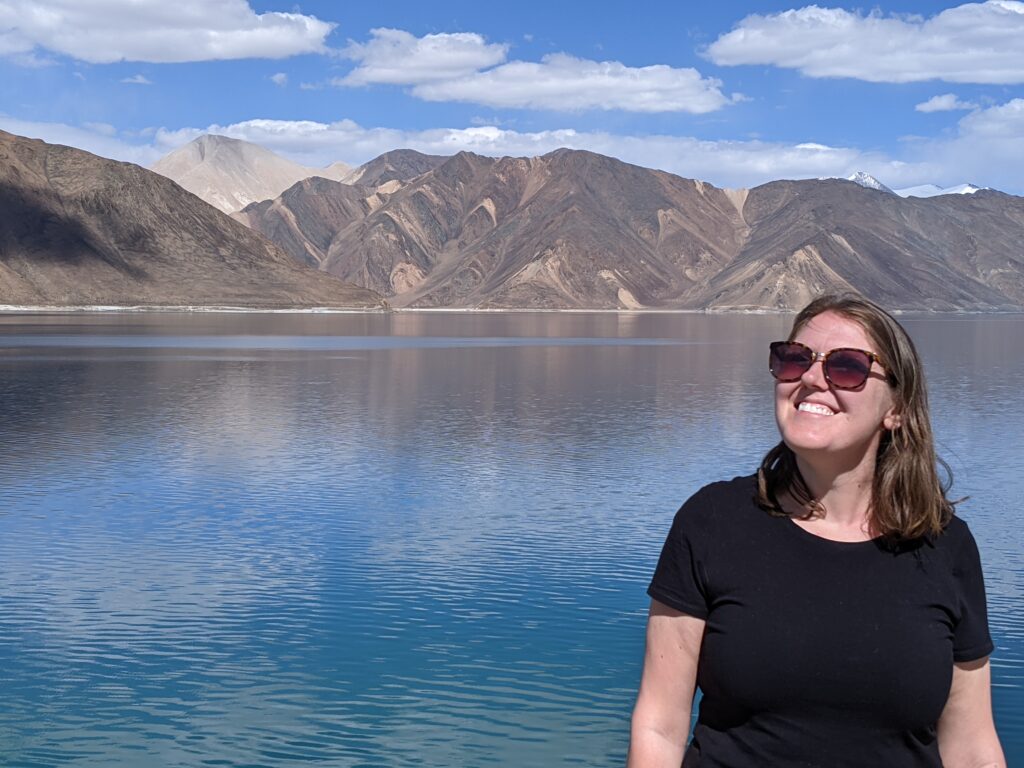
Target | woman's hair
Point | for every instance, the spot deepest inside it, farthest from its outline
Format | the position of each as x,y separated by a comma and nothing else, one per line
907,498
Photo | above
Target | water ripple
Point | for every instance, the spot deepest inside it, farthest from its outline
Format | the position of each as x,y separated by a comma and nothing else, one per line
390,540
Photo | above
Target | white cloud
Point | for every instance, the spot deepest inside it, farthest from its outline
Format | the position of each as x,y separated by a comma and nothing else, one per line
947,102
461,67
999,123
396,57
279,78
971,43
987,150
92,137
562,82
104,129
137,80
103,31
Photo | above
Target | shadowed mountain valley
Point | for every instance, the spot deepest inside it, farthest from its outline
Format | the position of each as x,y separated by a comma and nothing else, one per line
76,229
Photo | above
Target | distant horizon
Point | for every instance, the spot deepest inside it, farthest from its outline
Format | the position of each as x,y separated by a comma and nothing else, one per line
733,94
933,189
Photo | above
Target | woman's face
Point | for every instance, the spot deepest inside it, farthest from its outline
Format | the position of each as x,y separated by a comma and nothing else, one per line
821,423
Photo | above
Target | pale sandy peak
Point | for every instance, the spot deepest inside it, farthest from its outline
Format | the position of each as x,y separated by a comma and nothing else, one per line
230,174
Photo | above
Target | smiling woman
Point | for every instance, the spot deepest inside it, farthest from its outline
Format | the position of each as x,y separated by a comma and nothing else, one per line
831,608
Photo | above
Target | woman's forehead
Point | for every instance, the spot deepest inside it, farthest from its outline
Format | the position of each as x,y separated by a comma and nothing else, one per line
830,330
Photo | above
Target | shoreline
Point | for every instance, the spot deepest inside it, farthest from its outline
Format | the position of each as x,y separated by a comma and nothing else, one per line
15,309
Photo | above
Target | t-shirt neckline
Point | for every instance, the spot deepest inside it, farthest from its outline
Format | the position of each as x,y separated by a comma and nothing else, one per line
804,533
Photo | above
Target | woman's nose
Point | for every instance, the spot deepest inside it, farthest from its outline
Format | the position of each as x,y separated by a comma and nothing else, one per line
814,377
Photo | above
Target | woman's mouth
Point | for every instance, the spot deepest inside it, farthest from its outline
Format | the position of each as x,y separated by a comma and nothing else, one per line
818,408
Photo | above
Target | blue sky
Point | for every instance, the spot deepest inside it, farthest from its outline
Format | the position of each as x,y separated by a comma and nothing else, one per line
736,94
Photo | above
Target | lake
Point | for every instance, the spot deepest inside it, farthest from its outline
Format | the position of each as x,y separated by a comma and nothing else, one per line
417,539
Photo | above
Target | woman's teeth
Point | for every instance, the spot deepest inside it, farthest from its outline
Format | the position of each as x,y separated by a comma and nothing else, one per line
822,410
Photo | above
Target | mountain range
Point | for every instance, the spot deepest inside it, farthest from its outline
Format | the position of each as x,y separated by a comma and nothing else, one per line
574,229
569,229
80,230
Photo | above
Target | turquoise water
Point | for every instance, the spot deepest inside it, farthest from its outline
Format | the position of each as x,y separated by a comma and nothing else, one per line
405,539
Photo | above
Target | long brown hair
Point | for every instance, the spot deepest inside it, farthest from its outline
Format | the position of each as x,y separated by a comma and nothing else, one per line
908,500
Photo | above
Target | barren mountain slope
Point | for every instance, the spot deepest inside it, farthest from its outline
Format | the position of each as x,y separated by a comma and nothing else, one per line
306,217
571,229
944,253
399,165
76,229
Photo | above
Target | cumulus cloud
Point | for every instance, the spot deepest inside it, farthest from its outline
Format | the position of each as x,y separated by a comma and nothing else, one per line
998,123
137,80
971,43
279,78
464,67
563,82
987,149
100,31
947,102
92,137
104,129
396,57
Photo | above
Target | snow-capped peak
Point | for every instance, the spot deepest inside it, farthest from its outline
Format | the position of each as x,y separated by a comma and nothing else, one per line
933,190
867,180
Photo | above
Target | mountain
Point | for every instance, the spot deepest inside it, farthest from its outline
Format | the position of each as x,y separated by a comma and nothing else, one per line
574,229
306,218
569,229
868,181
80,230
229,173
932,190
399,165
806,237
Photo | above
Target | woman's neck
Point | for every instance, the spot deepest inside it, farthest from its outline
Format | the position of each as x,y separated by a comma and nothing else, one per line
844,495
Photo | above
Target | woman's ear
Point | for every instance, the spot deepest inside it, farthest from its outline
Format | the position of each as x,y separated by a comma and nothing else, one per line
892,421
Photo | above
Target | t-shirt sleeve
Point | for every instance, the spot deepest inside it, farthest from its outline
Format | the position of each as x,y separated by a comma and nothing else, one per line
971,639
680,578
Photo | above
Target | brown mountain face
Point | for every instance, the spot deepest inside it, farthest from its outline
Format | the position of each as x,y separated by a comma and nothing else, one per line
941,253
399,165
307,217
574,229
570,229
76,229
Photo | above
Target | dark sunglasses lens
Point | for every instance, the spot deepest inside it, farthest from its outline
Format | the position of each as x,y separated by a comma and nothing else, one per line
847,368
788,362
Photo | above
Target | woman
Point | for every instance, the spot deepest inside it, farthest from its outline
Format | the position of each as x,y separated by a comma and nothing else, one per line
831,608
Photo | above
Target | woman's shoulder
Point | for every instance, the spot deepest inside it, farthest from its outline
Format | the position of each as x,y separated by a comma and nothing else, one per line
720,501
741,486
956,537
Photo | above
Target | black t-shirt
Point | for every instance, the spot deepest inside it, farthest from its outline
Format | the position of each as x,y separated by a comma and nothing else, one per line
817,652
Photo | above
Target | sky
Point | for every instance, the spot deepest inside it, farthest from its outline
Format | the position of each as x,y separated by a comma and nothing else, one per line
732,93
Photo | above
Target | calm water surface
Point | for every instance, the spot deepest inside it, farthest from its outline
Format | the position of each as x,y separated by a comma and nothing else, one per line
405,539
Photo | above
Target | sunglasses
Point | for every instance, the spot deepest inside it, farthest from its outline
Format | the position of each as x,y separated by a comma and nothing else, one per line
845,367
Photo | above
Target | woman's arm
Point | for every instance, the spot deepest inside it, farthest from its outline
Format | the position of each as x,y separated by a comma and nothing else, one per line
967,733
661,717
